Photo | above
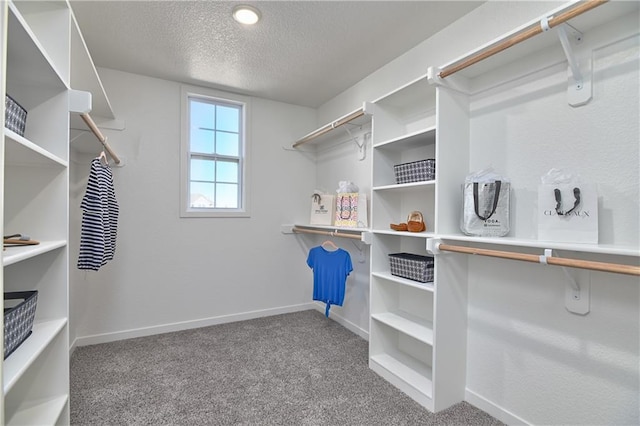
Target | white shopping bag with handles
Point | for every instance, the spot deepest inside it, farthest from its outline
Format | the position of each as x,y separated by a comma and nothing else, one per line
567,208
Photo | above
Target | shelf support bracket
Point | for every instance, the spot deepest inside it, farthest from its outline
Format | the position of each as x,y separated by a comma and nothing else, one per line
577,297
362,147
580,90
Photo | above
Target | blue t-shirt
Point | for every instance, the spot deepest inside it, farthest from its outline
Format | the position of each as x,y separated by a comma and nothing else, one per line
330,271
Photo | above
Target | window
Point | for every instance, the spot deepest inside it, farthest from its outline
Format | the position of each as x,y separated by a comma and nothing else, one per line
214,160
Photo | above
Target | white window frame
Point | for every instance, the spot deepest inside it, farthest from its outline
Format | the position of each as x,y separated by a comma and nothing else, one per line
186,211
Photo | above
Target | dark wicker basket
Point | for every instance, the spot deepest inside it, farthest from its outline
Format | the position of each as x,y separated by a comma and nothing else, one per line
15,117
18,319
416,171
412,266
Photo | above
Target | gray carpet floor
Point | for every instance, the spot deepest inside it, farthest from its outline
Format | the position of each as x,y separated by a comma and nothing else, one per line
291,369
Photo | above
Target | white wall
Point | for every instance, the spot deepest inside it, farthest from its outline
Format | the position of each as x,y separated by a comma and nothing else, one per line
528,359
169,270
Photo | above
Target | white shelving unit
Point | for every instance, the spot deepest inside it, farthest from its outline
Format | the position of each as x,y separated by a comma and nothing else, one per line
36,375
405,334
45,58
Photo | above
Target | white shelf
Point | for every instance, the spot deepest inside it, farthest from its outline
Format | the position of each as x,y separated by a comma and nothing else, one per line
386,275
409,98
406,187
410,371
20,360
423,234
363,234
328,131
520,242
19,253
415,139
29,63
42,18
20,151
408,324
46,411
333,228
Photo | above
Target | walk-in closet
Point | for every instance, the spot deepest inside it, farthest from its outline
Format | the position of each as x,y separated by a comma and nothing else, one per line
450,235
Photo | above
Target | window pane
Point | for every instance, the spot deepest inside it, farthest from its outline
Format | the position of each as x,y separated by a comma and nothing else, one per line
227,118
202,141
226,196
227,143
202,114
203,169
227,172
202,195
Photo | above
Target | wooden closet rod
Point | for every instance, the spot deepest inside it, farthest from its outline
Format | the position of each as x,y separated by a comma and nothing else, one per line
572,263
328,127
330,233
521,36
103,140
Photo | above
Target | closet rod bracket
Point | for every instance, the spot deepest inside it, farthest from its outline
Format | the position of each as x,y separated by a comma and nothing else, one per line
433,245
457,83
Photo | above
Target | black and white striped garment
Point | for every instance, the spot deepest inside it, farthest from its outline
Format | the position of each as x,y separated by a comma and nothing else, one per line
99,219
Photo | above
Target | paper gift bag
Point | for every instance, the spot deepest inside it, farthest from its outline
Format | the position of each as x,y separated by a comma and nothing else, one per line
322,209
351,210
568,212
486,205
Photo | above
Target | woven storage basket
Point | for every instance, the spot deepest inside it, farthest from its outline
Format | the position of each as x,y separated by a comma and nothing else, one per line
412,266
416,171
15,117
18,319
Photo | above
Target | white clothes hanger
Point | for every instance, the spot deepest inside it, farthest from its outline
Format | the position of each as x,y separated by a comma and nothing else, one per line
103,159
329,245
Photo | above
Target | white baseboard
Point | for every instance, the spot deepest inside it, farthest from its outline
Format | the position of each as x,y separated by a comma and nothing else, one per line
493,409
185,325
343,321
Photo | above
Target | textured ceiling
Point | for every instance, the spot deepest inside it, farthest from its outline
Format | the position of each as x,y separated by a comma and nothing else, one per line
301,52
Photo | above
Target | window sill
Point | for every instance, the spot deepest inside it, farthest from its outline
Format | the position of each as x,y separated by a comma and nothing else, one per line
202,213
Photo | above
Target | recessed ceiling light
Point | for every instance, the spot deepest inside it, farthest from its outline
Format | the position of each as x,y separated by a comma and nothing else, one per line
247,15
